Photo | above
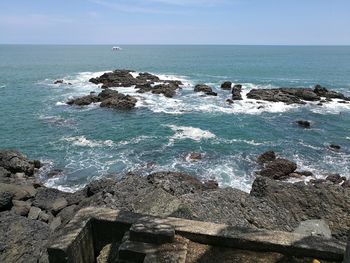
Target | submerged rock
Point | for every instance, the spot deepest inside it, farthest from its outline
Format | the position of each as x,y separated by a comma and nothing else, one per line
334,146
304,124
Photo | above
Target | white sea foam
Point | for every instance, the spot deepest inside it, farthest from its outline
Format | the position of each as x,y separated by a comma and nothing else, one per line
184,132
83,142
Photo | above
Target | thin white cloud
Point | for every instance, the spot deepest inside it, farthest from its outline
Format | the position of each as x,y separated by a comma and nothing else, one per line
129,8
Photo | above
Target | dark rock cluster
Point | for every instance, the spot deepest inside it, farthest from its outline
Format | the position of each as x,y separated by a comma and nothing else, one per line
108,98
295,95
205,89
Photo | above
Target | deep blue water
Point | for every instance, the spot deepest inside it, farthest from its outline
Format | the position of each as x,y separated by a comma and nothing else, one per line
88,142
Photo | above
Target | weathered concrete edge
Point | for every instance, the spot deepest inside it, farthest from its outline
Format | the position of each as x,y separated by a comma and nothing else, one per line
208,233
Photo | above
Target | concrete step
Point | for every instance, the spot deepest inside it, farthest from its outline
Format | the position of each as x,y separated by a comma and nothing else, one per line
133,251
151,230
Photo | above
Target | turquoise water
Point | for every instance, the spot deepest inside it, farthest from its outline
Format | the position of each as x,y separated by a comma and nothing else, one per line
87,143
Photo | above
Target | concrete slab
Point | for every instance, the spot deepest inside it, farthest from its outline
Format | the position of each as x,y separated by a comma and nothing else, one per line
152,230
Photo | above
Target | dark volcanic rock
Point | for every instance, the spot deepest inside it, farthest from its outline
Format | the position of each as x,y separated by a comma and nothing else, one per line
278,169
22,239
226,85
324,92
335,146
303,202
286,95
202,88
267,157
211,93
335,178
274,95
58,81
304,124
194,156
177,183
107,94
15,162
83,101
117,78
147,77
5,200
236,92
168,90
123,102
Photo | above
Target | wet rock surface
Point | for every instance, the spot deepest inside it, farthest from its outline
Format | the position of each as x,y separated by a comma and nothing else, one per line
31,216
294,95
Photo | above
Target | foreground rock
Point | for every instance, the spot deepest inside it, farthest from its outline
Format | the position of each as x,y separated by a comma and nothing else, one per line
33,215
108,98
294,95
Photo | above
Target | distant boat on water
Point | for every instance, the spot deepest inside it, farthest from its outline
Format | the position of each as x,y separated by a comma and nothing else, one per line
116,48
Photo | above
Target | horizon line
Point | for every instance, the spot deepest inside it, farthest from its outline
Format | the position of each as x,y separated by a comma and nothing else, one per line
160,44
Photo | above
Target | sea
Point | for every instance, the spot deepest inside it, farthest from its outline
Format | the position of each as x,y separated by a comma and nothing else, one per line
88,143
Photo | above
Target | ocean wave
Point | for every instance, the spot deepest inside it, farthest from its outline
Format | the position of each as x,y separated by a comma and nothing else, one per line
192,133
81,141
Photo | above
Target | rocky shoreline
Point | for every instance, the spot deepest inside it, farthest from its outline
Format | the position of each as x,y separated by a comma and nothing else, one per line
147,82
32,214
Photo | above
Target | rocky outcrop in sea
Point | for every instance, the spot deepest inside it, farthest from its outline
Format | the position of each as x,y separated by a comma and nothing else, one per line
32,214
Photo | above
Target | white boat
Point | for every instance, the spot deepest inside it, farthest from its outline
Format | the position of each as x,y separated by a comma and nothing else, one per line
116,48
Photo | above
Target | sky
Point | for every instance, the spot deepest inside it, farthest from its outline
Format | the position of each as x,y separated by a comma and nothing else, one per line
241,22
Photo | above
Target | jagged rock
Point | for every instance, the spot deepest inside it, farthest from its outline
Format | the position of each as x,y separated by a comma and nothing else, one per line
34,213
147,77
236,92
267,157
123,102
278,169
44,217
58,204
229,101
22,239
335,178
304,124
327,201
85,100
117,78
19,192
56,222
107,94
46,197
167,89
21,207
177,183
324,92
202,88
15,162
286,95
67,213
58,81
4,174
226,85
5,200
